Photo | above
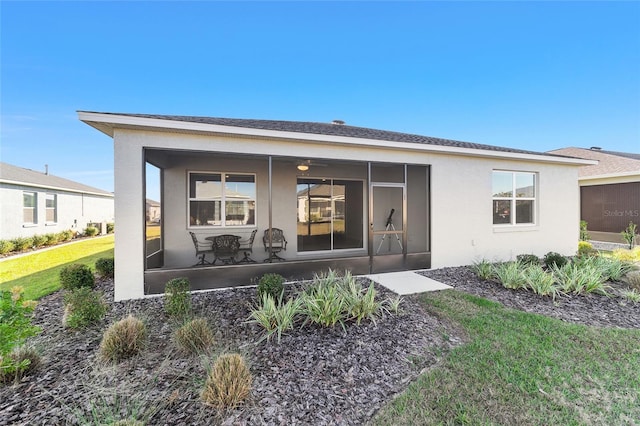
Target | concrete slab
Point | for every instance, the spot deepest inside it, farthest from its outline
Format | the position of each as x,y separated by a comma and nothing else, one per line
407,282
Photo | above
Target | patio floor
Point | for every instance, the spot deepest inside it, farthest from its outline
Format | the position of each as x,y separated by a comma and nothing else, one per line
407,282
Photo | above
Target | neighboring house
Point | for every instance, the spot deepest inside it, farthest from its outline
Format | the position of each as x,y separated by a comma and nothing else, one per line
153,210
609,191
452,202
34,202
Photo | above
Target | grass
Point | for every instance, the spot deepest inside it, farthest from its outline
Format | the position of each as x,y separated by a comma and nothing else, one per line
39,272
522,368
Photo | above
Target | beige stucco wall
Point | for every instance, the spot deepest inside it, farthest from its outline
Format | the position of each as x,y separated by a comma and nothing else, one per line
461,219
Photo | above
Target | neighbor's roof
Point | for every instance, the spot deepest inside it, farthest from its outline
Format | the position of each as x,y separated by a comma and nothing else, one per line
20,176
106,122
610,163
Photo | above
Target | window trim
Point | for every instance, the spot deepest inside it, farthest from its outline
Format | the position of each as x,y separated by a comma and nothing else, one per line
223,177
34,209
54,208
514,198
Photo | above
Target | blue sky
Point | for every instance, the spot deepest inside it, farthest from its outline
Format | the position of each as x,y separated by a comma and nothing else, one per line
530,75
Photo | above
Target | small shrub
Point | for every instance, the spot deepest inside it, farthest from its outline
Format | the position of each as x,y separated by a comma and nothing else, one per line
91,231
271,284
585,248
633,279
631,295
66,235
228,382
21,361
528,259
123,339
627,255
76,276
15,319
52,239
510,275
110,228
83,307
177,298
275,318
582,276
614,269
584,234
6,246
540,282
483,269
554,259
194,336
629,234
22,243
39,240
394,305
105,267
323,303
360,304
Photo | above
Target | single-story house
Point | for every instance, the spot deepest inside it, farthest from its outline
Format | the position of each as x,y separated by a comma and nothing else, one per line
33,202
609,191
345,197
153,210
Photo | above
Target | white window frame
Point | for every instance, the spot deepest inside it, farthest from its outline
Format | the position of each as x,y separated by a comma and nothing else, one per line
223,213
54,208
34,209
514,198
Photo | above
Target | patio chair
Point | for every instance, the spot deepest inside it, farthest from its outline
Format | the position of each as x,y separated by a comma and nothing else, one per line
225,248
202,248
278,243
246,246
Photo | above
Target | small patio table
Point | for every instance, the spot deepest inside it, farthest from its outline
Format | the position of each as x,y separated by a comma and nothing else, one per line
225,248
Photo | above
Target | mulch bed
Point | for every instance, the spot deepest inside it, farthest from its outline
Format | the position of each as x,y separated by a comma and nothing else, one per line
314,376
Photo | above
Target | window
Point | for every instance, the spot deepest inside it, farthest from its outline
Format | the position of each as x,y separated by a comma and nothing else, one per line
29,211
51,208
222,199
514,197
329,214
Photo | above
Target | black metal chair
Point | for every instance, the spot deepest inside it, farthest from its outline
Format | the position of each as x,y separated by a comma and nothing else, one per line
202,248
225,248
278,243
246,246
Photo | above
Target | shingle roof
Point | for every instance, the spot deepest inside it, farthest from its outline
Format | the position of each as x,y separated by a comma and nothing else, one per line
15,174
328,129
609,162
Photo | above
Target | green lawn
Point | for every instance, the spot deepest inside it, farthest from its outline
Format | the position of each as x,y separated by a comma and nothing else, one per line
38,272
525,369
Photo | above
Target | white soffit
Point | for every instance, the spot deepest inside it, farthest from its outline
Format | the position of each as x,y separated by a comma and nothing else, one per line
106,123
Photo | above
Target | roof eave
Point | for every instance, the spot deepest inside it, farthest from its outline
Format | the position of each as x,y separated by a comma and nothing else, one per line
107,123
56,188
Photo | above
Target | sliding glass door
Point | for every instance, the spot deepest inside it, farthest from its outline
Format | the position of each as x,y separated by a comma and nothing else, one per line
329,214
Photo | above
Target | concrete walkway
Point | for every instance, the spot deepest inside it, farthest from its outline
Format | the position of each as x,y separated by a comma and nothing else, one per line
407,282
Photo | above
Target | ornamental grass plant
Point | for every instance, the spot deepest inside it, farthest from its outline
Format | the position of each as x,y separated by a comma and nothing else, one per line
510,275
276,317
123,339
228,382
194,336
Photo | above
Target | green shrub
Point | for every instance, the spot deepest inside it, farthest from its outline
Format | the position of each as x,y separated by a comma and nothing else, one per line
22,243
324,304
510,275
359,303
585,275
52,239
584,234
39,240
194,336
66,235
6,246
91,231
228,382
76,276
15,319
483,269
123,339
177,298
629,234
554,259
540,282
271,284
275,318
585,248
528,259
21,361
105,267
627,255
83,307
110,228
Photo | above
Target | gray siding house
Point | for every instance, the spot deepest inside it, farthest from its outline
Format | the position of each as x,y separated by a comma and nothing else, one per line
33,202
